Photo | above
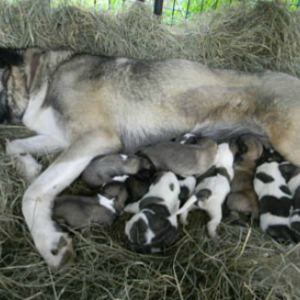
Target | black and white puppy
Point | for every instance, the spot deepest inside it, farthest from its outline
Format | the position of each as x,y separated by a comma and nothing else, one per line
275,201
291,174
154,224
187,188
212,189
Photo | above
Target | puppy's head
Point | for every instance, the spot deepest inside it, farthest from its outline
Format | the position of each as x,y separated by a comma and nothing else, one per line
187,187
147,231
136,188
233,146
249,147
146,170
270,155
187,139
117,191
165,184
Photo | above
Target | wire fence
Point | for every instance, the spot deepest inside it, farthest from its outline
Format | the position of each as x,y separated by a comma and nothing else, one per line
174,12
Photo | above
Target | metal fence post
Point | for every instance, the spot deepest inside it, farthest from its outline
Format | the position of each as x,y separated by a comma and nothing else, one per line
158,7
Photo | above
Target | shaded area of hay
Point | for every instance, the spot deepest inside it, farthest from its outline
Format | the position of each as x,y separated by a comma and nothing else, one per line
242,37
243,264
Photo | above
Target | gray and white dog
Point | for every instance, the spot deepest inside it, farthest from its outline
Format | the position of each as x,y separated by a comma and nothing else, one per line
85,106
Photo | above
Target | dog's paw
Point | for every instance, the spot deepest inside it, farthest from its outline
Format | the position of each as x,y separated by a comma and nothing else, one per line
27,167
55,247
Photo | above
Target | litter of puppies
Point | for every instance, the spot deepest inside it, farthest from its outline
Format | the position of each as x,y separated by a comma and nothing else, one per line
165,181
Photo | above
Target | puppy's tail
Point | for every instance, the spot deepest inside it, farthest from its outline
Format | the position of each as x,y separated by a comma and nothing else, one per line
201,195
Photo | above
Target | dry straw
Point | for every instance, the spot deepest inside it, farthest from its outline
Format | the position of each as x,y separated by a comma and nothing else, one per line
243,264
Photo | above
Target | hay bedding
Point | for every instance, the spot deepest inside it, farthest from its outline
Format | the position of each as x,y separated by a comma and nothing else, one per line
244,264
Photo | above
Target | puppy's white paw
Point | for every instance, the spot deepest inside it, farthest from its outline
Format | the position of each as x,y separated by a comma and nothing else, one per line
55,247
27,167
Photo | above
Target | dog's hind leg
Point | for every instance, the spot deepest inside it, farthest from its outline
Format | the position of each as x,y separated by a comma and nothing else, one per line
21,150
55,246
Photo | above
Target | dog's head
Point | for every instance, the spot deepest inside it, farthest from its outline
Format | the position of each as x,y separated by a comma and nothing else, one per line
21,72
13,90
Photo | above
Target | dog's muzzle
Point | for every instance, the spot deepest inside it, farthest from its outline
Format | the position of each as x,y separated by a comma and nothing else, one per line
4,109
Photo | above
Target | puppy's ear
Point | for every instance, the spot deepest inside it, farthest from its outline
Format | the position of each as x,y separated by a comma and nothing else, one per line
287,170
9,57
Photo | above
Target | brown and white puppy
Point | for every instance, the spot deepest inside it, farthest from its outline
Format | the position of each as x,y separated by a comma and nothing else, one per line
84,106
182,159
242,197
104,169
154,224
101,209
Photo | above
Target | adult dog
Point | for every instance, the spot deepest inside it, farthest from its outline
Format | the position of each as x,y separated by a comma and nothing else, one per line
85,106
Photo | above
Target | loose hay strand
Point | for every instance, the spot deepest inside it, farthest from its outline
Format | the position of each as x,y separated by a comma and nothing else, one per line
242,37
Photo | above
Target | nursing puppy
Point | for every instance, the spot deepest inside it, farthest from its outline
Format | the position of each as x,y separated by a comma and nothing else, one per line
275,201
103,169
187,188
136,188
291,173
154,224
212,189
84,106
295,215
242,197
182,159
81,211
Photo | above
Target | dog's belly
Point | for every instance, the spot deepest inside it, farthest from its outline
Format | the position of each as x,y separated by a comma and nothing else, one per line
214,112
145,102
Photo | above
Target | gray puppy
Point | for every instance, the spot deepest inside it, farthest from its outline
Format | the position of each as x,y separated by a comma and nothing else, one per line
182,159
103,169
81,211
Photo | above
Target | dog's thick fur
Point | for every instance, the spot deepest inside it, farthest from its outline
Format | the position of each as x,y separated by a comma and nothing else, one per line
84,106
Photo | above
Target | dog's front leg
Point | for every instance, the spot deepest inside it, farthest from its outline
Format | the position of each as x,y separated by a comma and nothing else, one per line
21,150
54,245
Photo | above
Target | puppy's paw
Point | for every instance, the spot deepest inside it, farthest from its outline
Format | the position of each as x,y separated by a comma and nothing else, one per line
55,247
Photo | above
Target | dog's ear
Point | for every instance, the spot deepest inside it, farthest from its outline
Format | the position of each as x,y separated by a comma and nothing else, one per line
9,57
